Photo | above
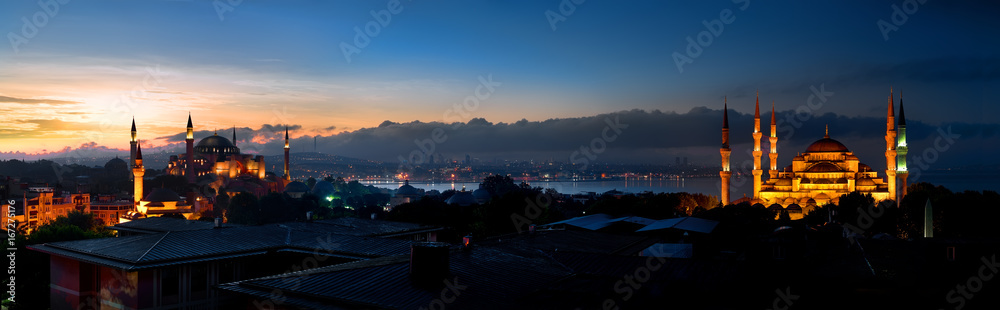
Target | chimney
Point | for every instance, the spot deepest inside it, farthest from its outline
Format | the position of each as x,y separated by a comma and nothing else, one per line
218,222
428,262
531,229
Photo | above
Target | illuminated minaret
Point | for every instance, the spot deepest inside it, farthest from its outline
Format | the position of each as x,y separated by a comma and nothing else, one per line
137,172
773,173
133,143
756,149
901,149
189,156
890,149
725,174
288,177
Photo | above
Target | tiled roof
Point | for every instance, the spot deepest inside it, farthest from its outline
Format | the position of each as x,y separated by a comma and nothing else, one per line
492,279
174,247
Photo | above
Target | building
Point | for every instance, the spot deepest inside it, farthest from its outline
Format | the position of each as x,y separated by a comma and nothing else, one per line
172,263
217,161
41,205
822,173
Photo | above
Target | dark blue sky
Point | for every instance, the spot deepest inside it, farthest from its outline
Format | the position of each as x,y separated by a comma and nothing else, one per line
605,56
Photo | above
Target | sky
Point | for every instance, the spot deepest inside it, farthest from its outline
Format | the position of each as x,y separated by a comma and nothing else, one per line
501,79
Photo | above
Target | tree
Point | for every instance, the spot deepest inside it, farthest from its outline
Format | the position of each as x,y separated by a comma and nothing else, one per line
244,209
498,185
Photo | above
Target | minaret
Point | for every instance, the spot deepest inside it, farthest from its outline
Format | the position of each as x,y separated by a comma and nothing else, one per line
189,156
288,177
725,174
773,173
133,143
890,149
756,149
901,149
234,135
137,172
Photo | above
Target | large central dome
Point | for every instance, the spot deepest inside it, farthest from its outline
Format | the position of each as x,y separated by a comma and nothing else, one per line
826,145
216,145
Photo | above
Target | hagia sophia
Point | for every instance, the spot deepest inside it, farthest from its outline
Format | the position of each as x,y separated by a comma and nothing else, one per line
214,162
822,173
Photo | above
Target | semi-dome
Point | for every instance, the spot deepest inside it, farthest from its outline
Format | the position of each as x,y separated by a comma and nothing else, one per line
826,145
824,167
216,145
162,195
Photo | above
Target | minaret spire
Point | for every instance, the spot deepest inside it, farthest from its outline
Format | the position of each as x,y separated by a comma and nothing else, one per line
138,171
773,139
189,154
890,148
234,135
757,171
724,151
901,150
133,143
288,177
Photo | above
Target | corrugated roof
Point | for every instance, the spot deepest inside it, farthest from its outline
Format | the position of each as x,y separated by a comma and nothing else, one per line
572,240
164,224
492,279
683,223
143,251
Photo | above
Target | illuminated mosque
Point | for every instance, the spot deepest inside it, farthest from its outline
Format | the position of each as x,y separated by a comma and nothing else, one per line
823,172
214,162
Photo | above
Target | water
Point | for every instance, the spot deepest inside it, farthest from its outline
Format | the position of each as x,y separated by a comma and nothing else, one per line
691,185
955,181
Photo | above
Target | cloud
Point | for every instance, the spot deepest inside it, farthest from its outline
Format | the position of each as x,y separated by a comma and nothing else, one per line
6,99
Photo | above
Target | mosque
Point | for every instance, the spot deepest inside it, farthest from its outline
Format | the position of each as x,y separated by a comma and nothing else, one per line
214,162
822,173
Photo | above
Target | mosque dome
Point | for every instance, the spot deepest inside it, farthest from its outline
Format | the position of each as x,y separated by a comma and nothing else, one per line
116,167
482,195
794,207
865,182
216,145
323,189
296,187
826,145
462,198
407,190
162,195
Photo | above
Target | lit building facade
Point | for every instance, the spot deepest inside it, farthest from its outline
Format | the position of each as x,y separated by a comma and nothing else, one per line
822,173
